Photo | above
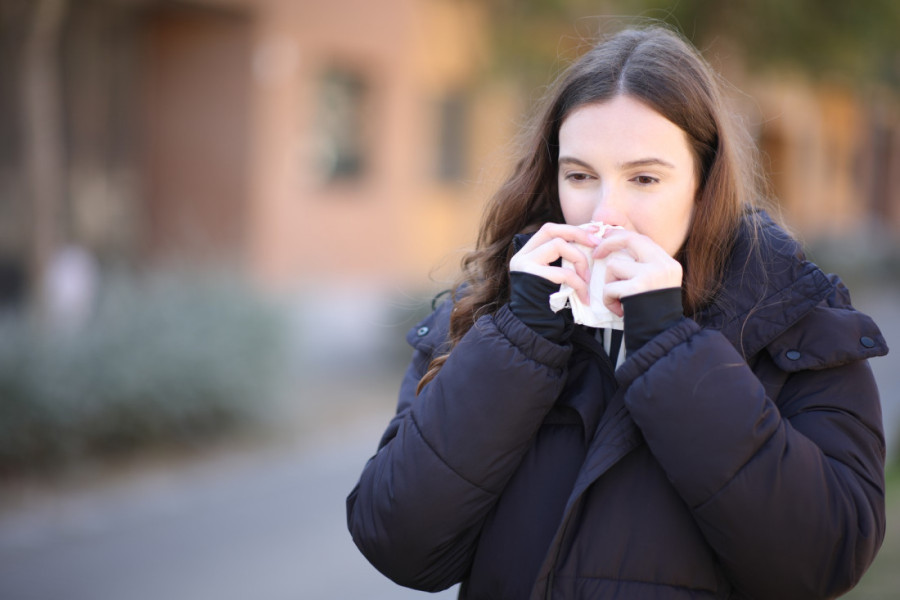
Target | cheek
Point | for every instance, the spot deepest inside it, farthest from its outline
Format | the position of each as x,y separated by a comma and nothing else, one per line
686,227
667,223
575,211
681,223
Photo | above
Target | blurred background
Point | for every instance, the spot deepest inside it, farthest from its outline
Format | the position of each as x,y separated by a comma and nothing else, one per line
219,217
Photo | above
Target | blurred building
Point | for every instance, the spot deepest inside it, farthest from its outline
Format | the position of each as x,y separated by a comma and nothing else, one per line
833,156
298,140
307,141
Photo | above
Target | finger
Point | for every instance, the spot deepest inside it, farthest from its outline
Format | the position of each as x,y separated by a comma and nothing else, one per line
566,276
576,256
621,267
549,252
642,277
616,308
640,247
613,293
570,233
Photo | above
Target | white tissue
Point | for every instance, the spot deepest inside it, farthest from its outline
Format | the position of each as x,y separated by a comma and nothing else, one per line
594,314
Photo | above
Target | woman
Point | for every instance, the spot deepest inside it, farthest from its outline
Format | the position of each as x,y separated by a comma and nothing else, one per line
737,450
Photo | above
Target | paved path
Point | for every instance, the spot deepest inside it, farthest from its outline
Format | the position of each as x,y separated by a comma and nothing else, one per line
261,524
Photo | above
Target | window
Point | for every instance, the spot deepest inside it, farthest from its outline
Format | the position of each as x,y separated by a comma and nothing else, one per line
452,141
341,125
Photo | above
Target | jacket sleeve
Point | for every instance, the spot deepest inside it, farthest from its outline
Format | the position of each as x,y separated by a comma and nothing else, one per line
417,510
788,490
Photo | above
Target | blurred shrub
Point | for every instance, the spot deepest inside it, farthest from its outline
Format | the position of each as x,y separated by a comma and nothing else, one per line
862,261
168,358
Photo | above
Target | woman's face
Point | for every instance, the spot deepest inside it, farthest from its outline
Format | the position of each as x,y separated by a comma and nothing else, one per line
623,163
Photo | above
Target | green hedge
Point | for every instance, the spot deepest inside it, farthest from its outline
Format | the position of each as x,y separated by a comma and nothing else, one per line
168,358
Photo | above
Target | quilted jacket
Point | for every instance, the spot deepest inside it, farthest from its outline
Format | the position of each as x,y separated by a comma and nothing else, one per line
738,454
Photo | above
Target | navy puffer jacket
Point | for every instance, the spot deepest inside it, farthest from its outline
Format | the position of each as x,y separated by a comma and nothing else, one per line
738,454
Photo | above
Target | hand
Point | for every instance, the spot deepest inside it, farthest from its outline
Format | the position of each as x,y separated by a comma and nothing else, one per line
634,264
551,242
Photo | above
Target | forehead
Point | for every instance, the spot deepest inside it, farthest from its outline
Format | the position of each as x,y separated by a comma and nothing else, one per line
622,126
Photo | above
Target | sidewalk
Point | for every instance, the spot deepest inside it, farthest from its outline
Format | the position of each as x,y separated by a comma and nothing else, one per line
257,521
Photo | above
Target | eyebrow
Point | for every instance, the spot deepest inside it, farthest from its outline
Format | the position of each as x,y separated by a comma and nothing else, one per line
641,162
646,162
570,160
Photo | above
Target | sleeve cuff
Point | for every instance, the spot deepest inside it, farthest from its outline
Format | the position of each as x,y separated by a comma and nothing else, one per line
530,301
648,314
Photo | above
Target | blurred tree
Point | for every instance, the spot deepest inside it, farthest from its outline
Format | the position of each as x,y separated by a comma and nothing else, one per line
856,41
42,139
533,39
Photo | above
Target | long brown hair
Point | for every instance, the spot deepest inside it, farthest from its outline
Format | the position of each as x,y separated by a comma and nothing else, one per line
657,67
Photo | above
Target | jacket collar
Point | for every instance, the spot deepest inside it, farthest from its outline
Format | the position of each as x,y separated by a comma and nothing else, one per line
768,283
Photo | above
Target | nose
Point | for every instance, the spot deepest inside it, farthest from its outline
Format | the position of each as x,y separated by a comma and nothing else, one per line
609,207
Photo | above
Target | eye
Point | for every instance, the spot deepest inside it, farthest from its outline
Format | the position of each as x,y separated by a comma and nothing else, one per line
645,180
577,176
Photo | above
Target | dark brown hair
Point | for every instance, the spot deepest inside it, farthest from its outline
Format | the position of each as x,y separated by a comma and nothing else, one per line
657,67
